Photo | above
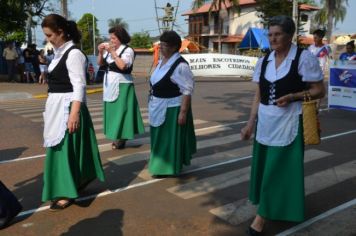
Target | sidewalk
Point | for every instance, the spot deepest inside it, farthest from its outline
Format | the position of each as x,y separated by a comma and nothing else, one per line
18,91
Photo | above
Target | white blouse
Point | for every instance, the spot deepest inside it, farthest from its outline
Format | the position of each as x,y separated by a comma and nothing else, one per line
56,113
182,76
278,126
76,65
112,80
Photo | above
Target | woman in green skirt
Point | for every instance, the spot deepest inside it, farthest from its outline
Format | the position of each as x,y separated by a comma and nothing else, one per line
173,139
122,116
277,174
72,155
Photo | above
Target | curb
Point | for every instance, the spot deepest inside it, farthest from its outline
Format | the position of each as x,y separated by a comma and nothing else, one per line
89,91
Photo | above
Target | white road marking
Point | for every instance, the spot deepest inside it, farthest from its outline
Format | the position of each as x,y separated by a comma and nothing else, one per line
324,215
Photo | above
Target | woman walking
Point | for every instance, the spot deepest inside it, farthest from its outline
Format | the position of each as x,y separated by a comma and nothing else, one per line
283,77
122,117
72,155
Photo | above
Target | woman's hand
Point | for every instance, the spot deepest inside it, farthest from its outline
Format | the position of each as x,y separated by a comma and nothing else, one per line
246,131
285,100
102,47
182,118
73,122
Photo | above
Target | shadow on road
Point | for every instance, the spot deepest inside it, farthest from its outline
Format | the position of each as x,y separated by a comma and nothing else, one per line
107,223
12,152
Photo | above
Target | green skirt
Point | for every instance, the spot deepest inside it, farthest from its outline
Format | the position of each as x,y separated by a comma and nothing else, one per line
277,180
172,145
73,163
122,118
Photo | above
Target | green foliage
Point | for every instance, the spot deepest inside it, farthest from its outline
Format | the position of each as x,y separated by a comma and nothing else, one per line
141,40
12,17
269,8
119,22
339,7
85,25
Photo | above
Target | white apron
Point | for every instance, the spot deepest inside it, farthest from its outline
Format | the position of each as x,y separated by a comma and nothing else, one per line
55,117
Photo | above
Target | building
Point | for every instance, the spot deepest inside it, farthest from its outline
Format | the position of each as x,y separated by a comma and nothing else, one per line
227,28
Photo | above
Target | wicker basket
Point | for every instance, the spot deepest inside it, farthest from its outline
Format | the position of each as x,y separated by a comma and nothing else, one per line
310,121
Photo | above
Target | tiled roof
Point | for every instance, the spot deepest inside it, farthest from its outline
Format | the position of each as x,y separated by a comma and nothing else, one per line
306,7
205,8
231,39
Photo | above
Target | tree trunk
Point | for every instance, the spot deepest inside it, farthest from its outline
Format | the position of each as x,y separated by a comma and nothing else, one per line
330,24
28,28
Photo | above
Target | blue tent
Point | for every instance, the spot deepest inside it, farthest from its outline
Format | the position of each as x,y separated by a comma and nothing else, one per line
255,38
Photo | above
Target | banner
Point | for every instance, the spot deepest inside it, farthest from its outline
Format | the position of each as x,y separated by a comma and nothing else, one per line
219,65
342,85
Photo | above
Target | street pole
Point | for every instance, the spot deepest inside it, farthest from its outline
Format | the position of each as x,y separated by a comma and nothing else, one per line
295,18
93,28
64,7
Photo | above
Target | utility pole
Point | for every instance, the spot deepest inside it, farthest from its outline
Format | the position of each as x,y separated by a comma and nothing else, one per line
295,18
64,8
93,28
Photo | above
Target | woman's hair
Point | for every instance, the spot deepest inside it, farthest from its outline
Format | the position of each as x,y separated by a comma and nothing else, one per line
285,22
58,23
172,39
351,43
319,32
121,34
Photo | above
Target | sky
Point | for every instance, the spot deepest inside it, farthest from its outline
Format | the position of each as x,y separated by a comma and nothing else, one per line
141,16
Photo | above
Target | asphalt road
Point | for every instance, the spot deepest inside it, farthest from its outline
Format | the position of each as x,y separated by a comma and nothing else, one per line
209,198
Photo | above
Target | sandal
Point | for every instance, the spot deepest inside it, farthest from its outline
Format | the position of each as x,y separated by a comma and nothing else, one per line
119,144
56,206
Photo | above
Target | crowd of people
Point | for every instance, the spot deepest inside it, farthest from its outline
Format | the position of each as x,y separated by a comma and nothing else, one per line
282,79
30,64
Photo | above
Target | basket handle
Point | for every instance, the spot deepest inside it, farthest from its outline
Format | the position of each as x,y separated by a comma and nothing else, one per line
307,96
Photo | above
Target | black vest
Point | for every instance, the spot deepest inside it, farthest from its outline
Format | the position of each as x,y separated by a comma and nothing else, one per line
113,67
165,88
290,83
58,79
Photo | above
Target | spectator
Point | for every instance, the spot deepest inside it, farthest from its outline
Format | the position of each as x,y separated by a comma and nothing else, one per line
10,56
350,53
20,62
29,71
91,72
49,56
43,67
35,61
319,49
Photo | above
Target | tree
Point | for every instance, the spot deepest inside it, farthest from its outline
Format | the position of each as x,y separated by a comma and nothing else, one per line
332,12
141,40
85,24
118,22
216,5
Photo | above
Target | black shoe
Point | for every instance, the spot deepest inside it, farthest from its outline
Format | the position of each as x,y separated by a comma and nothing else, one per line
252,232
56,206
119,144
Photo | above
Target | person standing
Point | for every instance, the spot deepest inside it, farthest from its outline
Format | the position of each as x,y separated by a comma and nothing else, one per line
20,62
350,53
319,49
122,116
43,67
10,56
277,174
173,140
72,155
29,71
